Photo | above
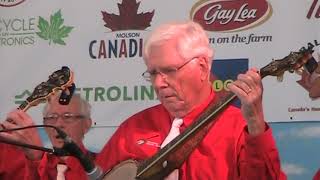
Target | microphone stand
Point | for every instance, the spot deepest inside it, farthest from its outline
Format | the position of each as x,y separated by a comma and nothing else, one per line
69,148
54,151
93,172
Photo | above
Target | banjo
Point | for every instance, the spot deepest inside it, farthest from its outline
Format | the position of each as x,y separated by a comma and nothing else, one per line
178,150
59,80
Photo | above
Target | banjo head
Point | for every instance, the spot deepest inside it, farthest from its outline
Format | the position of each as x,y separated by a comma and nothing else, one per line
126,170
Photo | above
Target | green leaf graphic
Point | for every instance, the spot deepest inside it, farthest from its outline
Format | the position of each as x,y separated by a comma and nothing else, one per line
55,31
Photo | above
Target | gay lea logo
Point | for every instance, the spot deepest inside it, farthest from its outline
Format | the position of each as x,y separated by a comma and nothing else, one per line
235,15
10,3
126,39
314,10
53,30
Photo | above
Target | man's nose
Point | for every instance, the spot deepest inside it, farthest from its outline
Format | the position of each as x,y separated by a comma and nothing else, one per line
60,122
160,80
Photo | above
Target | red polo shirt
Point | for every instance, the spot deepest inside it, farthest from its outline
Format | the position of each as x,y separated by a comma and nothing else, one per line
12,162
227,151
47,168
317,175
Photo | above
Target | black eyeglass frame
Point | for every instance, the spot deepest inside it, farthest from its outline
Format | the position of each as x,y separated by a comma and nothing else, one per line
148,76
66,117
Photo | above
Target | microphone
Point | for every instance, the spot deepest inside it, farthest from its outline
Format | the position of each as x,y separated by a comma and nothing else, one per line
93,172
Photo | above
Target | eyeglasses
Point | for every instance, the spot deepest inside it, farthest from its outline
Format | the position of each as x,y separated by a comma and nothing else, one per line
66,117
166,72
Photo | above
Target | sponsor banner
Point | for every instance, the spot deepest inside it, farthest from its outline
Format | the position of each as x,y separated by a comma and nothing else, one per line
10,3
102,42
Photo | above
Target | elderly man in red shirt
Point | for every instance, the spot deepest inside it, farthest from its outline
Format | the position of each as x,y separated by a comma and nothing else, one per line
74,119
239,145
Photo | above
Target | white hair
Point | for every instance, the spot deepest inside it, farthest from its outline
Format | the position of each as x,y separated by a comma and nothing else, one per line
85,107
192,40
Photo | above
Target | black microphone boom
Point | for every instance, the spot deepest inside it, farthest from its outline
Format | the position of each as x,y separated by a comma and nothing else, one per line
88,165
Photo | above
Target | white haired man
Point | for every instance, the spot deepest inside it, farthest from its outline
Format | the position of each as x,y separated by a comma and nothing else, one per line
239,145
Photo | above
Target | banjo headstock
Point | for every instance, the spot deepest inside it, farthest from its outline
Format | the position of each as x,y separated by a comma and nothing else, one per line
293,62
59,80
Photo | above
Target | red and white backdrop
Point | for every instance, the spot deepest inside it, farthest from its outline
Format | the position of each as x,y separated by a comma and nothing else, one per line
102,41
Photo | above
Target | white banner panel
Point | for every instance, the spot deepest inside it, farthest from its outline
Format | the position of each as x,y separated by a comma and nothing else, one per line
101,41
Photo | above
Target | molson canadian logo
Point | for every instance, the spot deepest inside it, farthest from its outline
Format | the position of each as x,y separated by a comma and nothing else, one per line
230,15
127,39
9,3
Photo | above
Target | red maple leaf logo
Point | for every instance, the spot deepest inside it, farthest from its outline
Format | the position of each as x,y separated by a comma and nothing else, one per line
128,17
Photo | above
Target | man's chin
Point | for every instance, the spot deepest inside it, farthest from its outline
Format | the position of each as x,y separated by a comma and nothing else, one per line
175,109
170,105
171,101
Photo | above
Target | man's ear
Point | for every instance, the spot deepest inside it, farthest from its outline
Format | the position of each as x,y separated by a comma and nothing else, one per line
204,67
87,125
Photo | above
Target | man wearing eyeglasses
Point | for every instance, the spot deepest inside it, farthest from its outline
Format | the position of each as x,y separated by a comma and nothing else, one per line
238,146
75,120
